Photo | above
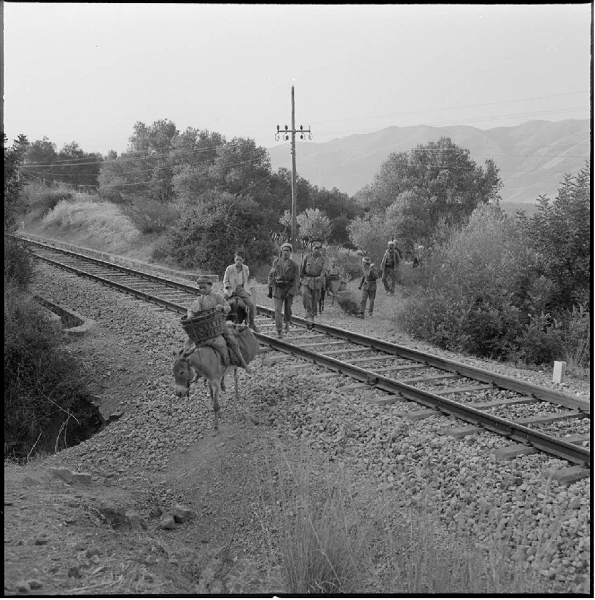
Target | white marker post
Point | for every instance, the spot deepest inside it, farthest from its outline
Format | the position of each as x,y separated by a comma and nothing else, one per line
559,371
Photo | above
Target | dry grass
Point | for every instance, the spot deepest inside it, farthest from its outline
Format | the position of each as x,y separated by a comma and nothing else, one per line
314,533
327,540
101,221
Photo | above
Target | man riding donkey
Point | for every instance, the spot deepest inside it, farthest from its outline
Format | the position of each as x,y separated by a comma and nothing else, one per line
226,342
313,274
235,282
283,285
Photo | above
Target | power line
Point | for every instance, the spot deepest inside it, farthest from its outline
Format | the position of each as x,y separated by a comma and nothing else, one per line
149,154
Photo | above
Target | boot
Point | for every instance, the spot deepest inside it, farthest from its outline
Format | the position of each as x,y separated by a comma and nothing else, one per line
286,325
279,334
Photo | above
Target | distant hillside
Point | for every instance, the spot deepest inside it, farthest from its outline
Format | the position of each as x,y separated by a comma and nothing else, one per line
532,157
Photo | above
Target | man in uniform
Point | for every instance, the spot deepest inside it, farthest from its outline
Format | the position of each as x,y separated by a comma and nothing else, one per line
388,266
235,282
283,285
313,274
368,287
207,300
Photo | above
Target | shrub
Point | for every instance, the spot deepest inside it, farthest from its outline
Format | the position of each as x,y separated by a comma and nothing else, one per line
345,263
492,328
211,231
314,223
322,544
371,234
150,216
18,263
437,318
577,339
39,200
542,340
477,289
561,233
102,219
42,384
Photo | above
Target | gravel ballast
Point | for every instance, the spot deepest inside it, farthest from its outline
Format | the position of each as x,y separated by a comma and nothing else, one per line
512,504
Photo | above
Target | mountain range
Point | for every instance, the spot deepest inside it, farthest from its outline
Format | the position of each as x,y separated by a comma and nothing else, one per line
532,157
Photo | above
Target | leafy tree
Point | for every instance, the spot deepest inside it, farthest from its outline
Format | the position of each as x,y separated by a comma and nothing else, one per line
157,138
371,233
14,158
439,176
241,166
340,209
194,154
303,191
71,165
561,234
39,158
76,167
146,169
212,229
407,217
314,223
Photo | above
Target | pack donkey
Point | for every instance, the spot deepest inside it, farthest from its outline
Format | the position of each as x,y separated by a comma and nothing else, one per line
204,361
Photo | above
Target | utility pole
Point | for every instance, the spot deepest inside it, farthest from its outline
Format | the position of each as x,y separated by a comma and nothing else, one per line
285,134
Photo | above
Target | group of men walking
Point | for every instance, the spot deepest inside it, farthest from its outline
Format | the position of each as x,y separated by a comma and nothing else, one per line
285,277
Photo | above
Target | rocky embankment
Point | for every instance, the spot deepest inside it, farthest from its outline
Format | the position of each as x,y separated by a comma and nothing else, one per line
160,456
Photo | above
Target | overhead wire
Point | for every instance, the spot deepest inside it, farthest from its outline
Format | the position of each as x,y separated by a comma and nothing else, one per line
147,155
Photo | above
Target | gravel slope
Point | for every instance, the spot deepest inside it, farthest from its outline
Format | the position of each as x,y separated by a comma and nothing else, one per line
162,451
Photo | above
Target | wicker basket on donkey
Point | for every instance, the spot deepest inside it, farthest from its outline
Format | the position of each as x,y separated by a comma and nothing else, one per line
205,325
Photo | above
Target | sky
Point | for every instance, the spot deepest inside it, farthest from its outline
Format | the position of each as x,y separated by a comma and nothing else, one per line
88,72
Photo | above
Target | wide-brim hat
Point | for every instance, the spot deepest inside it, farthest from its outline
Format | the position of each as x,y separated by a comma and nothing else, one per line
204,279
287,245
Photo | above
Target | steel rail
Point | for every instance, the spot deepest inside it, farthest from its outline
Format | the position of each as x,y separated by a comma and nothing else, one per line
501,381
515,431
109,283
114,267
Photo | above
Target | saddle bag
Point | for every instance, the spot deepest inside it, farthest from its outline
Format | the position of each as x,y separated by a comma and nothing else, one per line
206,325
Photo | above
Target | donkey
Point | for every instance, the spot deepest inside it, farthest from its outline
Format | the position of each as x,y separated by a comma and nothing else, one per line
204,361
239,312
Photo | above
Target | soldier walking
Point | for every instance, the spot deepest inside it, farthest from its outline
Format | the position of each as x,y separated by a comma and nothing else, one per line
388,266
283,286
313,274
368,287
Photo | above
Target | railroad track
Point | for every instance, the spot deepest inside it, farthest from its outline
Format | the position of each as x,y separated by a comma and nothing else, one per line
558,424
